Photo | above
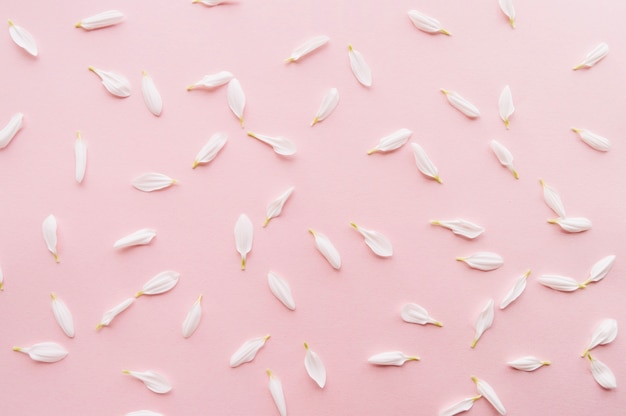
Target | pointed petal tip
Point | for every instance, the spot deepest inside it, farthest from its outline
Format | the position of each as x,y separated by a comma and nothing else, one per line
445,32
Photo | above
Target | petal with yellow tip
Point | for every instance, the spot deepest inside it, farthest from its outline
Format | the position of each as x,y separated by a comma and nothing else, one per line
192,320
63,316
23,38
151,95
397,358
509,11
424,164
275,207
461,104
45,352
152,380
329,103
276,390
161,283
391,142
236,99
210,150
504,156
248,351
50,235
308,47
114,83
483,322
109,315
426,23
460,407
360,68
101,20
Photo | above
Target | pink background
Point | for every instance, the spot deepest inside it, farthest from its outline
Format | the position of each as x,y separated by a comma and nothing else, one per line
345,316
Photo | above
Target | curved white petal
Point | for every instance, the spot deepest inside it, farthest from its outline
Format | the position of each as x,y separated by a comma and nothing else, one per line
572,224
209,3
360,69
63,316
560,283
461,227
139,237
114,83
594,56
109,315
192,320
392,141
210,150
528,363
280,288
605,333
327,249
276,390
426,23
490,394
154,381
461,104
379,244
602,374
50,235
595,141
248,351
281,145
308,47
516,290
23,38
276,206
45,352
504,156
505,104
415,314
329,103
100,20
424,164
509,11
460,407
152,181
161,283
552,199
80,153
9,131
1,279
151,95
483,322
601,269
483,260
244,232
212,81
236,99
396,358
314,366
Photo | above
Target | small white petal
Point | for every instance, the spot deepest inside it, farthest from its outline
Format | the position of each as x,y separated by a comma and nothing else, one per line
212,81
426,23
1,279
392,142
276,389
483,322
248,351
461,227
505,104
415,314
460,407
244,232
276,206
508,10
280,288
23,38
152,181
143,413
594,56
379,244
9,131
593,140
210,149
461,104
192,320
109,315
605,333
601,269
100,20
80,153
329,103
151,95
360,69
46,352
528,363
161,283
424,164
552,199
327,249
139,237
396,358
516,290
489,393
236,99
504,156
561,283
209,3
602,374
314,366
308,47
114,83
572,224
483,260
63,316
154,381
50,235
281,145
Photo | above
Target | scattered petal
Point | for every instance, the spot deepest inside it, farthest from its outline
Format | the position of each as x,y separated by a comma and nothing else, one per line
63,316
489,393
154,381
50,235
23,38
276,206
212,81
280,288
424,164
552,198
236,99
504,156
161,283
415,314
327,249
460,407
100,20
483,322
602,374
329,103
80,153
461,104
308,47
360,69
1,279
209,3
138,238
595,141
210,149
152,181
109,315
151,95
426,23
605,333
594,56
506,103
281,145
116,84
483,260
46,352
561,283
516,290
314,366
528,363
379,244
392,142
461,227
276,389
572,224
396,358
191,322
508,10
247,351
9,131
243,237
600,269
144,413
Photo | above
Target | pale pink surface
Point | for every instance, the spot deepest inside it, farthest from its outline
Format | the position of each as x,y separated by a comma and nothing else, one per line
347,315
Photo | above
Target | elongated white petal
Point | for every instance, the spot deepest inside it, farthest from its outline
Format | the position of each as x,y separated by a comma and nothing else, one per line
9,131
143,413
602,374
489,393
415,314
600,269
80,153
308,47
138,238
552,199
594,56
23,38
461,227
209,3
392,141
504,156
212,81
505,103
424,164
483,322
154,381
460,407
329,103
63,316
100,20
281,145
236,99
280,288
314,366
426,23
461,104
161,283
379,244
276,206
109,315
244,232
605,333
46,352
561,283
248,351
360,69
50,235
593,140
516,290
396,358
1,279
528,363
210,149
151,95
276,390
152,181
483,260
508,10
192,320
327,249
114,83
572,224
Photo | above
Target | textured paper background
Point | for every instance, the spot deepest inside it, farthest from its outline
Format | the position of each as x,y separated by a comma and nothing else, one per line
345,316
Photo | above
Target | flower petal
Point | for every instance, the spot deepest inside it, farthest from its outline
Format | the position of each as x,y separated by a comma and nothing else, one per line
276,207
424,164
280,288
507,8
605,333
360,69
560,283
602,374
329,103
212,81
23,38
516,290
281,145
489,393
392,141
594,56
9,131
244,232
100,20
151,95
460,407
483,260
396,358
314,366
63,316
461,104
276,390
236,99
109,315
483,322
504,156
50,235
210,150
595,141
572,224
139,237
80,153
426,23
415,314
209,3
248,351
192,320
552,199
154,381
600,269
379,244
45,352
461,227
308,47
161,283
327,249
152,181
114,83
528,363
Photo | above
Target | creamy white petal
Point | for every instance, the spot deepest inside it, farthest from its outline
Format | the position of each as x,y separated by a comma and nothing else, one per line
244,232
489,393
508,10
114,83
161,283
461,227
379,244
605,333
154,381
80,153
516,290
505,104
210,149
192,320
593,140
1,279
138,238
143,413
152,181
415,314
308,47
276,206
236,99
594,56
276,390
552,199
602,374
461,104
504,156
424,164
561,283
100,20
392,141
212,81
483,260
50,235
528,363
23,38
109,315
280,288
9,131
151,95
329,103
248,351
396,358
327,249
63,316
360,69
46,352
483,322
426,23
572,224
281,145
600,269
314,366
460,407
209,2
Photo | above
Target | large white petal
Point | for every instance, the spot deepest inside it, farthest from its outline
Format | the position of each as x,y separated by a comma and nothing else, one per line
594,56
424,164
508,10
593,140
109,315
490,394
114,83
314,366
236,99
460,407
601,269
248,351
552,199
504,156
308,47
516,290
139,237
360,68
151,95
379,244
46,352
276,206
461,104
63,316
560,283
483,322
281,145
210,149
572,224
276,390
9,131
23,38
605,333
212,81
396,358
100,20
192,320
528,363
602,374
280,288
483,260
152,181
50,235
415,314
426,23
392,141
244,232
154,381
329,103
161,283
327,249
461,227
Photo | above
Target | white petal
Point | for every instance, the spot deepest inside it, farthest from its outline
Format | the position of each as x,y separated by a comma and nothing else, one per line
572,224
154,381
280,288
508,10
209,3
314,366
276,206
396,358
143,413
210,149
23,38
281,145
602,374
516,290
63,316
553,200
100,20
505,104
115,83
50,235
601,269
327,249
192,320
152,181
489,393
461,227
483,322
236,99
460,407
9,131
605,333
426,23
461,104
329,103
244,233
212,81
424,164
247,351
504,156
594,56
595,141
379,244
561,283
161,283
483,260
46,352
109,315
80,153
392,142
151,95
415,314
528,363
138,238
360,69
276,389
308,47
1,279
